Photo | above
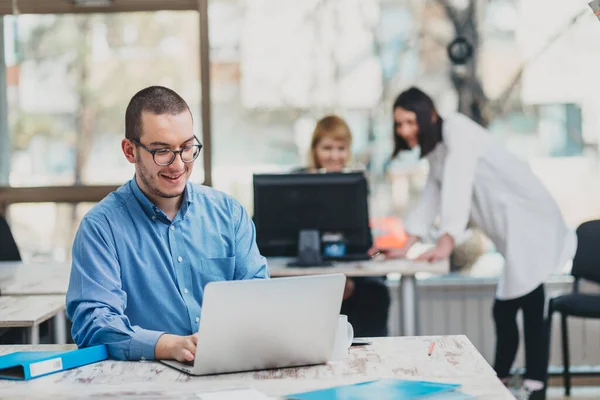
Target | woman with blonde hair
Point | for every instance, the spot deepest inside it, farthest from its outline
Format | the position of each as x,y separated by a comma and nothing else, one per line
330,145
366,300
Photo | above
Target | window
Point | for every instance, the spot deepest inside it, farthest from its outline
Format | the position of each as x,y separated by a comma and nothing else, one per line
73,76
70,78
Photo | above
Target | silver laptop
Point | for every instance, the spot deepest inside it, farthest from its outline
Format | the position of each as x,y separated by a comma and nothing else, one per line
261,324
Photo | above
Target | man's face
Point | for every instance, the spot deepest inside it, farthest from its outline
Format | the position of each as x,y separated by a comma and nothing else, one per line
164,132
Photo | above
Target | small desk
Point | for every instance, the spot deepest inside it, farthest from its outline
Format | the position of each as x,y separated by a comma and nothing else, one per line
454,360
30,311
408,284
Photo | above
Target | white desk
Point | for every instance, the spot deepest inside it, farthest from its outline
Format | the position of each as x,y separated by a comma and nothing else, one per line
39,279
454,360
407,287
30,311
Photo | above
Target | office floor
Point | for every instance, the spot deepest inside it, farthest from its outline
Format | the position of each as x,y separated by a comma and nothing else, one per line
577,393
584,388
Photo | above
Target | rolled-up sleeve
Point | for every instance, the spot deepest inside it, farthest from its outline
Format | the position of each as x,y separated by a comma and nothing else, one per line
96,300
249,263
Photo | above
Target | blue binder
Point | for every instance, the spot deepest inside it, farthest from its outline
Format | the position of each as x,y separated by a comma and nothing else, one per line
25,365
384,389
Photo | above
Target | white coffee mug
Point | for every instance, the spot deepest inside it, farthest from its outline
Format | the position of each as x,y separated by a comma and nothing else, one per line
343,339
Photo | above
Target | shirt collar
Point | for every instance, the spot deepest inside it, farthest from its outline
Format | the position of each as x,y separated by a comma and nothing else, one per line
152,210
188,199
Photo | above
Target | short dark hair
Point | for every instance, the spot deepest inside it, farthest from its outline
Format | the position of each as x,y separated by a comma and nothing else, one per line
430,133
156,100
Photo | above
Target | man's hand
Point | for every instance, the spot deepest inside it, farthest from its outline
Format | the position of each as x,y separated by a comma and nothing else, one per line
441,251
175,347
396,253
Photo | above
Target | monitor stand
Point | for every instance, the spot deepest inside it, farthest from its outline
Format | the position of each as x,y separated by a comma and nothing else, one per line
309,250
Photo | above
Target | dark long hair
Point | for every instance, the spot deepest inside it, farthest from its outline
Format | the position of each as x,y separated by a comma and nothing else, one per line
430,133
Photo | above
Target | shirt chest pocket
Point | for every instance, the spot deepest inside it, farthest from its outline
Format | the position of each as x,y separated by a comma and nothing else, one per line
215,269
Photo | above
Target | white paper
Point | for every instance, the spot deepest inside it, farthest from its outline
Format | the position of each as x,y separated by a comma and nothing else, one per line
417,249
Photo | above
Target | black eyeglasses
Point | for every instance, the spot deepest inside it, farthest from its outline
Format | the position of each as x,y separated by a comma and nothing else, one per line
164,157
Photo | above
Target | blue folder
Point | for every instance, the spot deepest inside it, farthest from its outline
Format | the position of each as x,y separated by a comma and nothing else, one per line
384,389
25,365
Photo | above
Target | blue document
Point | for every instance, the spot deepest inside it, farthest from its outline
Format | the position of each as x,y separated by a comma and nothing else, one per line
25,365
385,389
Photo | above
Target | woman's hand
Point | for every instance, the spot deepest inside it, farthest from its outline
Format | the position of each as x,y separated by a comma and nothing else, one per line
395,253
441,251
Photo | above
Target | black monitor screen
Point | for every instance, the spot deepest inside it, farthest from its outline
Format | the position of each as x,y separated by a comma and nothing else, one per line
332,203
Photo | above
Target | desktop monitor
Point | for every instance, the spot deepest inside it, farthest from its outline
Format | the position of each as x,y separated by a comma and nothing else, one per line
312,216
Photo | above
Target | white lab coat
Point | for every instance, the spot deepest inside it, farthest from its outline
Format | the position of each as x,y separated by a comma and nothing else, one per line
473,178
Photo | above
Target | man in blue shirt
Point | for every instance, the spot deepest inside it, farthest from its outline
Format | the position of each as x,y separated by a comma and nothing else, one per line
143,255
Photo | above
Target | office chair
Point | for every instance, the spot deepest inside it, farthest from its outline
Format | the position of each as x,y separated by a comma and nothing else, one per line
586,265
8,247
8,252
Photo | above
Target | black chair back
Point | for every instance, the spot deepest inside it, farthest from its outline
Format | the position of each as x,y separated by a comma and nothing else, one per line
8,247
586,264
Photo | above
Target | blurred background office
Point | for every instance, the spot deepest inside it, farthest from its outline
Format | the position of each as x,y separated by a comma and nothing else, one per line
278,66
275,67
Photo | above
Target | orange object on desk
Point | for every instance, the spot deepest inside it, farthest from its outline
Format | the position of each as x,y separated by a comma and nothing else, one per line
388,233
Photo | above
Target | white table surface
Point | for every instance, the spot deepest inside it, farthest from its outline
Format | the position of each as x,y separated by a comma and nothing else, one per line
454,360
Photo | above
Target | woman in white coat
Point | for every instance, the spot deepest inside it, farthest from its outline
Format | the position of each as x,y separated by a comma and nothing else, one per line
472,178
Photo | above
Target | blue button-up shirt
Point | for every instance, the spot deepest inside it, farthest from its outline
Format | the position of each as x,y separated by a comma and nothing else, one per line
137,275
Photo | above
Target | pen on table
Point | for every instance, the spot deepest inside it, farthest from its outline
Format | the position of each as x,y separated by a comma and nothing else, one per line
431,348
376,253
